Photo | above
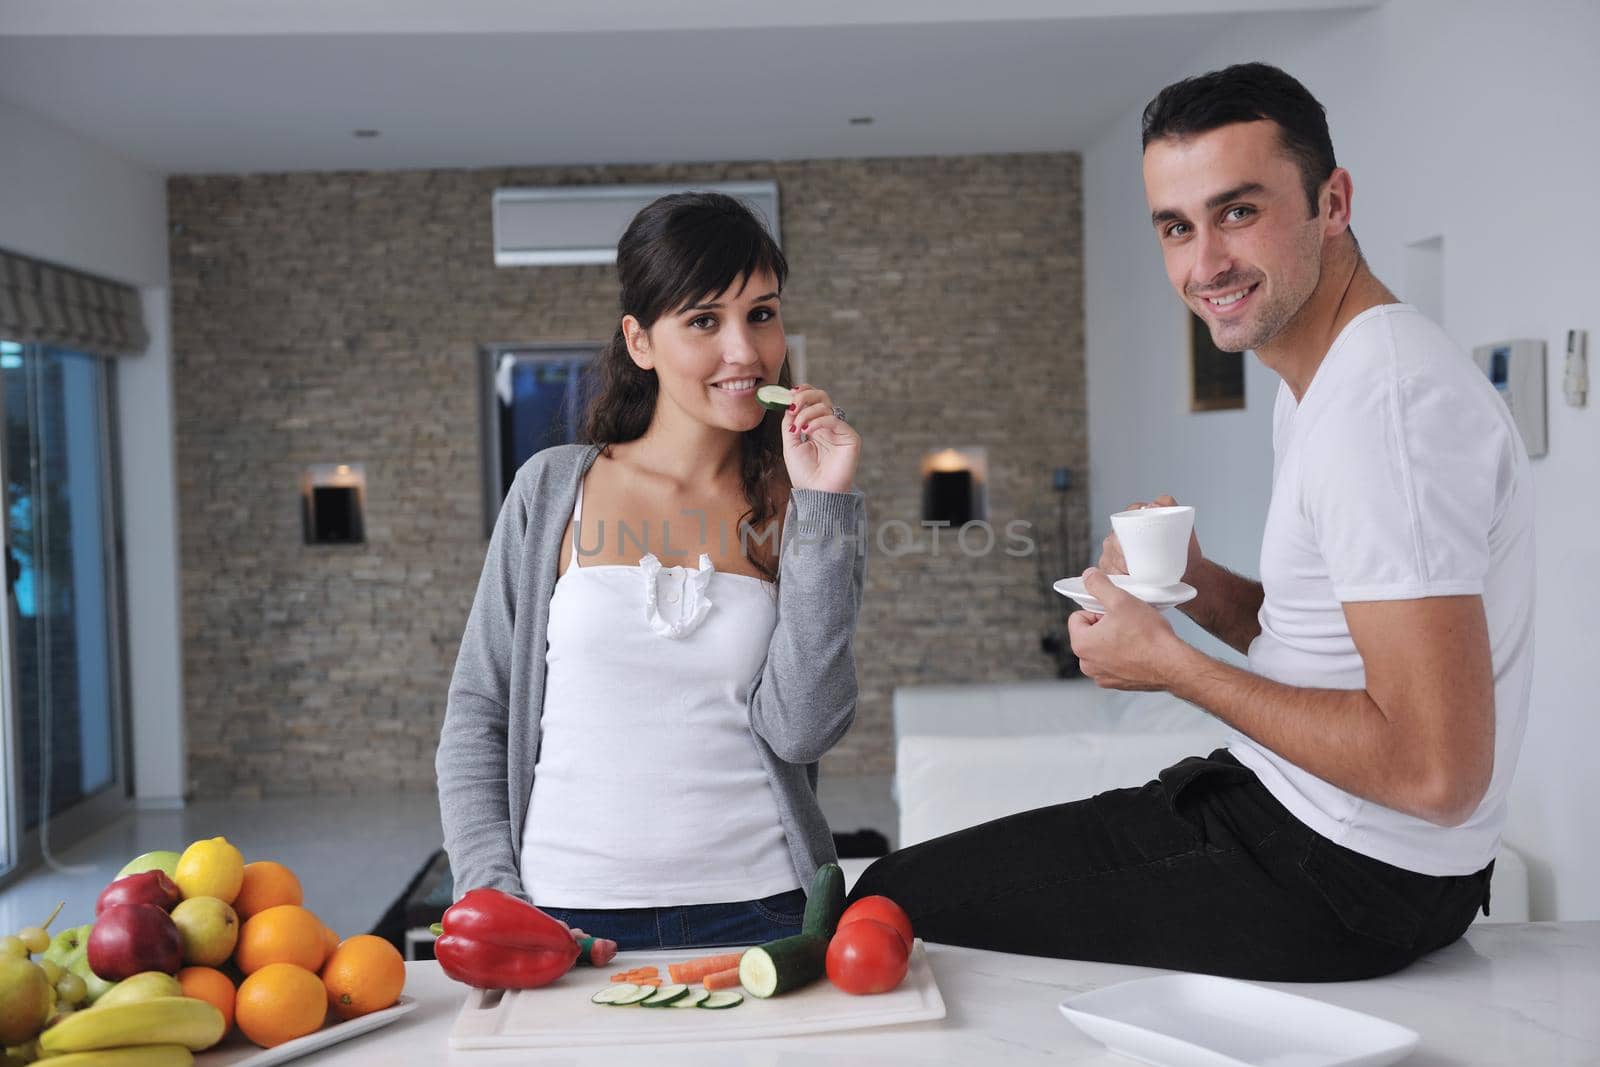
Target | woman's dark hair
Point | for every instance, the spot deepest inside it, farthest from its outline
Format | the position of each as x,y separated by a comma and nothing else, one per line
1248,92
679,250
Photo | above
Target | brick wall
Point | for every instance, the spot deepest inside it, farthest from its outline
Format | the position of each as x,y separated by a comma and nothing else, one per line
335,317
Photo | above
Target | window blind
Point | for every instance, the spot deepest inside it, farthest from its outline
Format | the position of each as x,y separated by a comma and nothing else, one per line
44,303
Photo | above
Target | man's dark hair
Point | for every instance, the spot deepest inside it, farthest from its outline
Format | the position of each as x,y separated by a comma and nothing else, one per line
1248,92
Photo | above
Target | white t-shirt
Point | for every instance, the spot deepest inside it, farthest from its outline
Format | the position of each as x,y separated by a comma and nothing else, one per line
1399,475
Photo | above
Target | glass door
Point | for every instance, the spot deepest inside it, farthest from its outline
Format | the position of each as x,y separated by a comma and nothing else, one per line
63,636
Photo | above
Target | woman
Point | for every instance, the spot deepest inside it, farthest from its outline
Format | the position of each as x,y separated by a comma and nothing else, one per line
653,665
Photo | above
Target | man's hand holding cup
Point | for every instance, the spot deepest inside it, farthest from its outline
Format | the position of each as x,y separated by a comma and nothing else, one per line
1131,646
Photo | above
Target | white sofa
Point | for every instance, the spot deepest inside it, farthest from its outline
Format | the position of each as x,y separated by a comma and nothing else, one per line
965,754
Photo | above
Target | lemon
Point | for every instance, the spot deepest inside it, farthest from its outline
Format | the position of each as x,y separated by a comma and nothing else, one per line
212,868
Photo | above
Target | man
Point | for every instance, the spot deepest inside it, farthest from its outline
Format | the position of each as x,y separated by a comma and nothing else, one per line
1350,825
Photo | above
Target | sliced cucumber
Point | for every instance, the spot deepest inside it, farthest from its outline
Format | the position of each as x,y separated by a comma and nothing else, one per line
611,993
722,998
780,966
774,397
825,903
639,995
664,996
692,999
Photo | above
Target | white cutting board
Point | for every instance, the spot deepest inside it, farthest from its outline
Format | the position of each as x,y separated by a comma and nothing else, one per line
561,1014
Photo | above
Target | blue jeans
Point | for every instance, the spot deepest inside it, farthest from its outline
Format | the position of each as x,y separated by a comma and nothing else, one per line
745,922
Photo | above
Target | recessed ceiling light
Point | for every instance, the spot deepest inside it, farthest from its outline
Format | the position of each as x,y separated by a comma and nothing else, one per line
366,133
861,120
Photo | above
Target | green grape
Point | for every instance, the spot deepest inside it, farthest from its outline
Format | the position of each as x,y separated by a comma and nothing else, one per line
72,989
52,970
12,946
34,938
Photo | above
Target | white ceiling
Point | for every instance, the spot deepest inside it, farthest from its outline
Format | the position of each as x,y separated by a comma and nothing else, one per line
220,86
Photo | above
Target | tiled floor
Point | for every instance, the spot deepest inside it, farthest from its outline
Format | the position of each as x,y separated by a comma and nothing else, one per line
353,854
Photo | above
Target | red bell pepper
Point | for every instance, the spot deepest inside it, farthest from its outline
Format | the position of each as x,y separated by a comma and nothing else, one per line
492,940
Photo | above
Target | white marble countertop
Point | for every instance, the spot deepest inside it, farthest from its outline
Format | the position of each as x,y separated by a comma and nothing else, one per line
1525,994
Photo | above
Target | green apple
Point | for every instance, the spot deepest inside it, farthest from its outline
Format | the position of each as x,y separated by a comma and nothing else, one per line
70,944
97,986
70,950
151,861
210,930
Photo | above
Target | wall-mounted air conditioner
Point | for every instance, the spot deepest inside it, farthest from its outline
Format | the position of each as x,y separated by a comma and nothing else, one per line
568,224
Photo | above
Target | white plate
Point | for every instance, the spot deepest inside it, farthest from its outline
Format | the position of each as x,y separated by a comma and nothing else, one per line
1160,597
1196,1020
237,1051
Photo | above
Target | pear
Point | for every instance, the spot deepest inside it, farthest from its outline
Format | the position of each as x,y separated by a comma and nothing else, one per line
146,985
26,1000
210,930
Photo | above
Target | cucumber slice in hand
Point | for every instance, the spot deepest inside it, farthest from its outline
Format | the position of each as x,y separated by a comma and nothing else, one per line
774,397
722,999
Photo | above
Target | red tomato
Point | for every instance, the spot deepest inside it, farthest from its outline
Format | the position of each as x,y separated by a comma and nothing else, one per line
867,957
879,909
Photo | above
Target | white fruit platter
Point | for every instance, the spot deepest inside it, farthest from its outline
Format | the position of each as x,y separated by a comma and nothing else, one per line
237,1051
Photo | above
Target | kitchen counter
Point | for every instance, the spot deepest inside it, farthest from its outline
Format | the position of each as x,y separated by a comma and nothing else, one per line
1505,994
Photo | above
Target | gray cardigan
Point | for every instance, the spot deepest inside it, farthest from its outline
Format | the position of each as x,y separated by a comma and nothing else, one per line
801,703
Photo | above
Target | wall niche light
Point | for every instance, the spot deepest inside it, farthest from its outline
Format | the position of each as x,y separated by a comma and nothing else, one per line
333,501
955,486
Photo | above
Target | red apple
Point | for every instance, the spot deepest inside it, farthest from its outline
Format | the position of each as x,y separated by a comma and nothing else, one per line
148,887
130,938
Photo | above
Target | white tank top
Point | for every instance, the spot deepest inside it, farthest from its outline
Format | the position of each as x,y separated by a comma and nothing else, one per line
648,790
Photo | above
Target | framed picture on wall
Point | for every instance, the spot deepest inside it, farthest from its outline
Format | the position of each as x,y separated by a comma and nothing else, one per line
1216,378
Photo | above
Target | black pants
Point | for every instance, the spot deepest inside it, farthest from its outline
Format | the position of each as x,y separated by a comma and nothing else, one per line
1199,870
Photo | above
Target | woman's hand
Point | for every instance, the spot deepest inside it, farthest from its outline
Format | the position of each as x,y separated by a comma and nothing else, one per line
820,449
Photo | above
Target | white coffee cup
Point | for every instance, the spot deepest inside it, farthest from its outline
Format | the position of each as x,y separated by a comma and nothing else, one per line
1155,543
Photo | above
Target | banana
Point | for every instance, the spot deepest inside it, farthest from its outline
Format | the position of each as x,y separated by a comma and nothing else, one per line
135,1056
146,985
184,1021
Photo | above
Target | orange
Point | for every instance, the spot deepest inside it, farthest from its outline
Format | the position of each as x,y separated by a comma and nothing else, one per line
210,985
279,1003
330,939
286,933
266,885
364,974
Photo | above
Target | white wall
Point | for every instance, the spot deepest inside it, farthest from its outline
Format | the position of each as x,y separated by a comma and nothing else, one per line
1474,120
72,202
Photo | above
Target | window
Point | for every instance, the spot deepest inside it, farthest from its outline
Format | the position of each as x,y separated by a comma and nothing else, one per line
62,629
535,396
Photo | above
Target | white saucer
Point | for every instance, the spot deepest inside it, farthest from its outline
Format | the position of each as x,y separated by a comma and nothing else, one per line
1160,597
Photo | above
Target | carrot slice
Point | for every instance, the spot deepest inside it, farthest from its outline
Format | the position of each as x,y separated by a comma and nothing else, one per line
653,982
722,979
694,970
646,972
